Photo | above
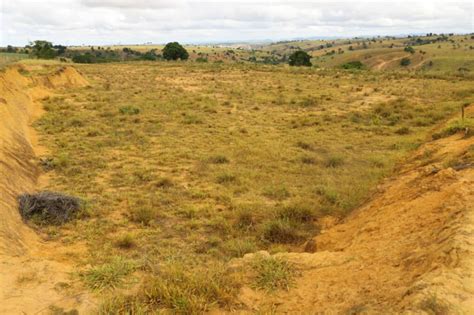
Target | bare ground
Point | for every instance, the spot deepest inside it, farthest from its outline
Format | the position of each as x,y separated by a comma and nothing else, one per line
34,275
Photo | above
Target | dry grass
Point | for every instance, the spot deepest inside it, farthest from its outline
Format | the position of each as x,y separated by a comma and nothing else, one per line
205,162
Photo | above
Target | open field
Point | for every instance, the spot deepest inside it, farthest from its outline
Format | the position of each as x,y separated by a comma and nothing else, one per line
186,166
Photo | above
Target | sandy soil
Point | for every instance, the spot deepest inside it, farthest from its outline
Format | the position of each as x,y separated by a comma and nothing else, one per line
30,279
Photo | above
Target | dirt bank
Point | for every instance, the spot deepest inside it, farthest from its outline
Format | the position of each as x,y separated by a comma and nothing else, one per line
30,281
408,250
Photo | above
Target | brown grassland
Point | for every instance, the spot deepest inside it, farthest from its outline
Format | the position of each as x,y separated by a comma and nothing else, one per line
185,166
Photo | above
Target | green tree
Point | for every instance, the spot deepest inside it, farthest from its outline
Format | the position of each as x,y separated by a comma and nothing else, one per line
300,58
43,49
174,51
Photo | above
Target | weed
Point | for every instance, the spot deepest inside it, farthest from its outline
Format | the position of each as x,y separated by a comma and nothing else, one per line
297,212
226,178
276,192
143,213
189,292
273,273
304,145
218,159
334,161
125,241
434,306
129,110
238,247
280,231
108,276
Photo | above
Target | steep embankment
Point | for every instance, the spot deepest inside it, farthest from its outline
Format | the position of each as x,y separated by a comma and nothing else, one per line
29,279
409,249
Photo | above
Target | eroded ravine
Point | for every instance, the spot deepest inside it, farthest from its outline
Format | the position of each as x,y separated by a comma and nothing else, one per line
30,279
407,250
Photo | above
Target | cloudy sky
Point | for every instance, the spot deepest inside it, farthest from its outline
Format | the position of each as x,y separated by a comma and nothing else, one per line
100,22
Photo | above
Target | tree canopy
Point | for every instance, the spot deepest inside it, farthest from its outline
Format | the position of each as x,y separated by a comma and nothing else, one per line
300,58
43,49
174,51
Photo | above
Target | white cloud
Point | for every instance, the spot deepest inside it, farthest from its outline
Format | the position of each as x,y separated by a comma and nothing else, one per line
137,21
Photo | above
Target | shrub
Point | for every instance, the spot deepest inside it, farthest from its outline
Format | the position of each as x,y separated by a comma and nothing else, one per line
273,273
405,62
353,65
280,231
300,58
409,49
174,51
49,207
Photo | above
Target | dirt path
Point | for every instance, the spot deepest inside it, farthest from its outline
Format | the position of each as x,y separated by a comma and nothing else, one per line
409,250
30,279
383,63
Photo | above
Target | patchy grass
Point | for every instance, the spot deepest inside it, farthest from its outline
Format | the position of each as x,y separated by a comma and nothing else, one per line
273,273
204,162
108,276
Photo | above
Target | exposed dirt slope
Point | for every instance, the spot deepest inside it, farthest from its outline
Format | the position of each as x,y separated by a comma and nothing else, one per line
29,280
409,250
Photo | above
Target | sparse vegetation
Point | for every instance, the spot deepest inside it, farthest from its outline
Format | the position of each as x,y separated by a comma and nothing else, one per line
194,164
273,273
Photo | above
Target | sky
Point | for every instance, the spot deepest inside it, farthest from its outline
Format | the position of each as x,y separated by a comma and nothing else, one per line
106,22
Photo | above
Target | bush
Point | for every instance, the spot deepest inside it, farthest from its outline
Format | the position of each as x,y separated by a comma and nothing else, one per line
84,58
280,231
174,51
300,58
405,62
49,207
409,49
353,65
